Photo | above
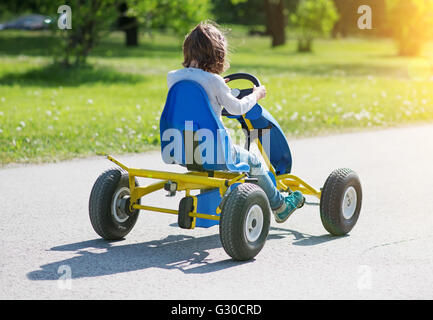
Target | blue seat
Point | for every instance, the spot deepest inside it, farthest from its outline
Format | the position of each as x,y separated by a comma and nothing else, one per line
191,134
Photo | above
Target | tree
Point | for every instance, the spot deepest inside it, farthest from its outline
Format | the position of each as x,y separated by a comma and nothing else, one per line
313,18
276,21
175,15
411,22
90,19
128,24
244,12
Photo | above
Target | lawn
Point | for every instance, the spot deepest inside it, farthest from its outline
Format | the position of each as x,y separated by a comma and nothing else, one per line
113,106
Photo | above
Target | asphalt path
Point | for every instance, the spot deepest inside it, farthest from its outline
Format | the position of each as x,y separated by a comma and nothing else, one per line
49,250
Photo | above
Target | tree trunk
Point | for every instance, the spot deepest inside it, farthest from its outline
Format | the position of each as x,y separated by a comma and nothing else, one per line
276,21
304,45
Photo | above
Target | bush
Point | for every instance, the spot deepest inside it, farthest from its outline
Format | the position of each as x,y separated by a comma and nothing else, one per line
313,18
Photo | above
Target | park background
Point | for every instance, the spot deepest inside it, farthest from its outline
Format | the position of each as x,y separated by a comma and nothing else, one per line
100,87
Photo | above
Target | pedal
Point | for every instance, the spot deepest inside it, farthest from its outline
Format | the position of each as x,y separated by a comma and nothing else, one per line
302,203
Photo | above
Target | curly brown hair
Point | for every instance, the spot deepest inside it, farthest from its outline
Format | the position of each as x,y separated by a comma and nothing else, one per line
207,47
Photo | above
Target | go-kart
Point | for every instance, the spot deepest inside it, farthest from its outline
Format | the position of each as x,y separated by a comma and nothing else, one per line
218,191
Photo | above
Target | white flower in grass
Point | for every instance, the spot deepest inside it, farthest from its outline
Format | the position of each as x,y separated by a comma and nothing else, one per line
18,129
22,124
49,113
363,114
375,103
347,115
279,107
424,101
138,107
50,127
354,95
1,113
294,116
154,127
90,101
120,130
3,99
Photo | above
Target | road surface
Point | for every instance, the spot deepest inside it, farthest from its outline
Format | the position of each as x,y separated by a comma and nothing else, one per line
50,251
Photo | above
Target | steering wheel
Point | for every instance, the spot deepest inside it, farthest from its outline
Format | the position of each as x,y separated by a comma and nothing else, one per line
240,93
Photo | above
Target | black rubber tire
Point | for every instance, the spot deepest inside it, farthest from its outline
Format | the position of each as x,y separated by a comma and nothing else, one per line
185,207
233,218
101,196
331,212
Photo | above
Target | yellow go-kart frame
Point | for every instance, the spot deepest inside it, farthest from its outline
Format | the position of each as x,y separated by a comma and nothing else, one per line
195,180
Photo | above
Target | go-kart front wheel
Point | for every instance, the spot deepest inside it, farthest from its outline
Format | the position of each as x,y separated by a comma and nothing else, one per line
244,222
340,202
109,205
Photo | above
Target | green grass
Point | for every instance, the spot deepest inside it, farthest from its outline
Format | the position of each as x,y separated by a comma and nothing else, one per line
48,113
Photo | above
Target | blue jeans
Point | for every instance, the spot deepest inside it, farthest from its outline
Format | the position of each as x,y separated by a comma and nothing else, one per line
259,171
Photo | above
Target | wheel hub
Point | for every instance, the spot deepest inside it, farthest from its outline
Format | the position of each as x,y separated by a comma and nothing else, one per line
120,205
349,202
254,223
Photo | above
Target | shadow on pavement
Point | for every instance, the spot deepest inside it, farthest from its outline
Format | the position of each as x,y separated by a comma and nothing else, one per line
302,239
94,258
99,257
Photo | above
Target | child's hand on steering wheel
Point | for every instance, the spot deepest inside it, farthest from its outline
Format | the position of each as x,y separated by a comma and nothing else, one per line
260,92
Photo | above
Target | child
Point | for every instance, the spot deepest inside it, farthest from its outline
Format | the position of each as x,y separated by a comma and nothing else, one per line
205,52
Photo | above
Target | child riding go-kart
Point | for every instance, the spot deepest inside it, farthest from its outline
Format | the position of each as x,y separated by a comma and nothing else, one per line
228,197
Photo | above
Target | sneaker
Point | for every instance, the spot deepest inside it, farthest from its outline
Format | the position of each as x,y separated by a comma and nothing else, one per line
292,202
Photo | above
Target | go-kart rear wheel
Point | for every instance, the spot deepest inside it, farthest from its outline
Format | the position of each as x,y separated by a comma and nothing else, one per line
109,205
340,202
244,222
